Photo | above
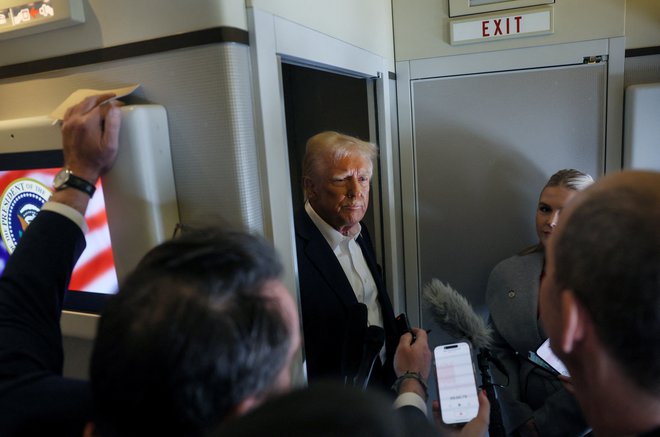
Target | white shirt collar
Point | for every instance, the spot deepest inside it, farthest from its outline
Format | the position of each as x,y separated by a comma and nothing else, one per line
331,235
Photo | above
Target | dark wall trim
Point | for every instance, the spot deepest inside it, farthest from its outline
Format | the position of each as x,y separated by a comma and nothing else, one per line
156,45
645,51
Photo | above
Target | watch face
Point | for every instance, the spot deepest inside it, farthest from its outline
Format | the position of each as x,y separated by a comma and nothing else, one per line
66,179
61,178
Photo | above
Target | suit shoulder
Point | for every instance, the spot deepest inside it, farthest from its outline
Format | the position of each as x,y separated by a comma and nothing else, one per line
512,270
517,263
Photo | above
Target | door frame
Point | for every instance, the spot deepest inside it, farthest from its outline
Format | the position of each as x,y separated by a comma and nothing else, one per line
274,40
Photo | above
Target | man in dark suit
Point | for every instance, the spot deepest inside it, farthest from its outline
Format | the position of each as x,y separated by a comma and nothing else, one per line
337,267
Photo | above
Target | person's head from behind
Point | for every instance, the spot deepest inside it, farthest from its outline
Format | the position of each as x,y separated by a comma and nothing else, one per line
600,301
324,409
337,171
557,192
202,330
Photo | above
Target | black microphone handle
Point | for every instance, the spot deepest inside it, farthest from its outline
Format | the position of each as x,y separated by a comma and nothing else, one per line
373,343
364,374
496,427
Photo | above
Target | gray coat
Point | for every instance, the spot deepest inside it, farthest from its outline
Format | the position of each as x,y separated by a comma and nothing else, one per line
512,299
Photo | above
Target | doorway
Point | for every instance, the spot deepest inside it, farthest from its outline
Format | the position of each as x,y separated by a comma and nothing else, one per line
316,101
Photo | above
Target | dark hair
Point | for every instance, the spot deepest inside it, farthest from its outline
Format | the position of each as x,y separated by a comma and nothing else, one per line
325,409
189,335
609,255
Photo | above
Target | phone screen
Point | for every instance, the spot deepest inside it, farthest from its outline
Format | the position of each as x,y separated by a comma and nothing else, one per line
540,362
456,383
546,353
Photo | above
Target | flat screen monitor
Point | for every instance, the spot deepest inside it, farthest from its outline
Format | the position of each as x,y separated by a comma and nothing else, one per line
26,184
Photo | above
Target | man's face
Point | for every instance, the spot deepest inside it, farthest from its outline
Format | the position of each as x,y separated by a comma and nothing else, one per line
549,296
555,300
339,193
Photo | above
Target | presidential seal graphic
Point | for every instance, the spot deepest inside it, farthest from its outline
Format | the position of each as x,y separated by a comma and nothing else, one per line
19,205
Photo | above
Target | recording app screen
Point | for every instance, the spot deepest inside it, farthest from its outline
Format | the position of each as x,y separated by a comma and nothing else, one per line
456,384
23,194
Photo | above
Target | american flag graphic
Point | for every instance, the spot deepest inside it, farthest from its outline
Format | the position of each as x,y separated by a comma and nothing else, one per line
95,270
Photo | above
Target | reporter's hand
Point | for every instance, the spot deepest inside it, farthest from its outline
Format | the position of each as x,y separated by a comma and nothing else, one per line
477,427
414,357
90,136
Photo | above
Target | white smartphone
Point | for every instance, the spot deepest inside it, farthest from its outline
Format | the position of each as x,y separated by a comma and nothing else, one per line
546,353
457,385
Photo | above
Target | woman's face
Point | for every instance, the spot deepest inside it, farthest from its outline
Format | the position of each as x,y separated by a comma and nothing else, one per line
551,202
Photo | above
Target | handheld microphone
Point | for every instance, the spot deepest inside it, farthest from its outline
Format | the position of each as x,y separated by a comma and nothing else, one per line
455,315
374,340
356,329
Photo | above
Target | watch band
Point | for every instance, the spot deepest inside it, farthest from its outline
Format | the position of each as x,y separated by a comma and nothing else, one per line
66,179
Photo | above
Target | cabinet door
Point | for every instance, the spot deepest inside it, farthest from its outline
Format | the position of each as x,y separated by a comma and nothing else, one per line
484,146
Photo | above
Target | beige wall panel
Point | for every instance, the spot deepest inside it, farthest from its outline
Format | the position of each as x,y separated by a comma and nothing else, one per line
642,23
111,23
366,24
421,28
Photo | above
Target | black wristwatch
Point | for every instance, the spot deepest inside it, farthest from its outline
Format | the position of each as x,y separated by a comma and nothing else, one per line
65,179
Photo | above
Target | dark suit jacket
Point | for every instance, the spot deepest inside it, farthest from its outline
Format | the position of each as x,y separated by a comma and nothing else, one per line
326,299
34,397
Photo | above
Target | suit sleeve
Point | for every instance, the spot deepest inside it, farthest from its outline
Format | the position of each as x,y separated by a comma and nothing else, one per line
32,290
416,423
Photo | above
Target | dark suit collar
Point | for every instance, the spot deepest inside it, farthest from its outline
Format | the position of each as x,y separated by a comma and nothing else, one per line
319,253
306,228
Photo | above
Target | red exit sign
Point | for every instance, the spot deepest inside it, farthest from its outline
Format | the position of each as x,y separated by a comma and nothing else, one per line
477,29
501,26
